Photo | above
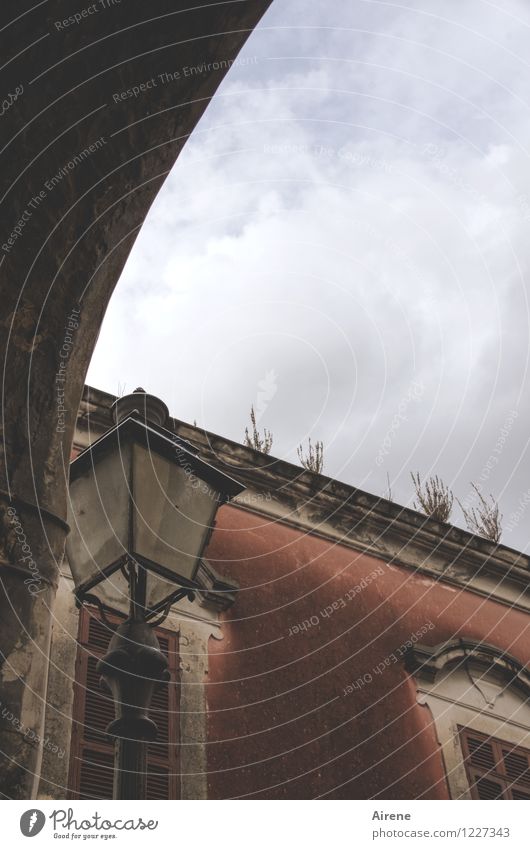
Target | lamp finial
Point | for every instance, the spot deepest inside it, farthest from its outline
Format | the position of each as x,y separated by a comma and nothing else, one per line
147,408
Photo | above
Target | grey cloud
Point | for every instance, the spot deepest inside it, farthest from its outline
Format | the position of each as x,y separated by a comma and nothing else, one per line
353,229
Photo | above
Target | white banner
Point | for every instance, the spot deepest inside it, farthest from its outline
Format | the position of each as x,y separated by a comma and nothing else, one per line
260,825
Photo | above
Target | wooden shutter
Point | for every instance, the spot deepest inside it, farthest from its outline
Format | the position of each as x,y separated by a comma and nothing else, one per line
92,753
495,769
517,765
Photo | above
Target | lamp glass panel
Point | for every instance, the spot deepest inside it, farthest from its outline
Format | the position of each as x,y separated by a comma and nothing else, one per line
113,592
98,514
158,590
172,515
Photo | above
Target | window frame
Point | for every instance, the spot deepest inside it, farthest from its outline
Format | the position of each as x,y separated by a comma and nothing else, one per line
465,683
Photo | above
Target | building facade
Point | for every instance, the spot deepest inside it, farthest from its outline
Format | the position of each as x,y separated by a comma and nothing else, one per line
342,647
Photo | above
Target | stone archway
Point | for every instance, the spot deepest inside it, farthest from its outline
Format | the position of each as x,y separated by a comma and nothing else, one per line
91,127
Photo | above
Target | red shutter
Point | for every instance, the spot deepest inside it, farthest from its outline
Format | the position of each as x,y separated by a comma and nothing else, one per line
92,753
495,769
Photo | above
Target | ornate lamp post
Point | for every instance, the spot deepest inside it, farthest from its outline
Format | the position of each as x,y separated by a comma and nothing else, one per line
141,510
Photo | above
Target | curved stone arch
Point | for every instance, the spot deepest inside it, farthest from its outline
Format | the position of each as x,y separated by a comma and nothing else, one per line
79,150
476,686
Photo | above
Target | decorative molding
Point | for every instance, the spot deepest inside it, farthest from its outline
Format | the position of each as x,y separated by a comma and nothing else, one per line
194,654
425,662
466,684
219,593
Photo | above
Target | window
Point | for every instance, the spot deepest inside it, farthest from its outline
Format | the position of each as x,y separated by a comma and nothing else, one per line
495,769
466,684
92,753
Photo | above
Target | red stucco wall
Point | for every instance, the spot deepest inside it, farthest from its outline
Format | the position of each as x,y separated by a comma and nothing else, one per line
279,722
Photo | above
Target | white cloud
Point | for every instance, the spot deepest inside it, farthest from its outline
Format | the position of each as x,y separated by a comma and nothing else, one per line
353,229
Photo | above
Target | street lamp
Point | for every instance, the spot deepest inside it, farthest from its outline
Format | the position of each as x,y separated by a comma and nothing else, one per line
141,510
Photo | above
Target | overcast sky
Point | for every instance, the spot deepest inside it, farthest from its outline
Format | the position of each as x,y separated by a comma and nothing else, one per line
344,241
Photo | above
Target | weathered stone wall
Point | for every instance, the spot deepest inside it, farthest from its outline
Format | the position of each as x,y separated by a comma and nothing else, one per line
79,168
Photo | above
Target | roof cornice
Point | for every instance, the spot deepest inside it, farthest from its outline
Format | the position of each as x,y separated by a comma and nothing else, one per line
321,506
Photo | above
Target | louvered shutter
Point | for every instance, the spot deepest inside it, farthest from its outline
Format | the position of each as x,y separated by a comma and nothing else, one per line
495,769
92,755
486,788
517,766
520,794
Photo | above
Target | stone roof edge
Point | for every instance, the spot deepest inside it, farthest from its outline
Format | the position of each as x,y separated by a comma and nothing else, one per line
282,492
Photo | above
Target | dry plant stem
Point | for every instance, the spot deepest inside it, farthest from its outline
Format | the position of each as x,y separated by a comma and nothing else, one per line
313,460
484,520
255,440
433,497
